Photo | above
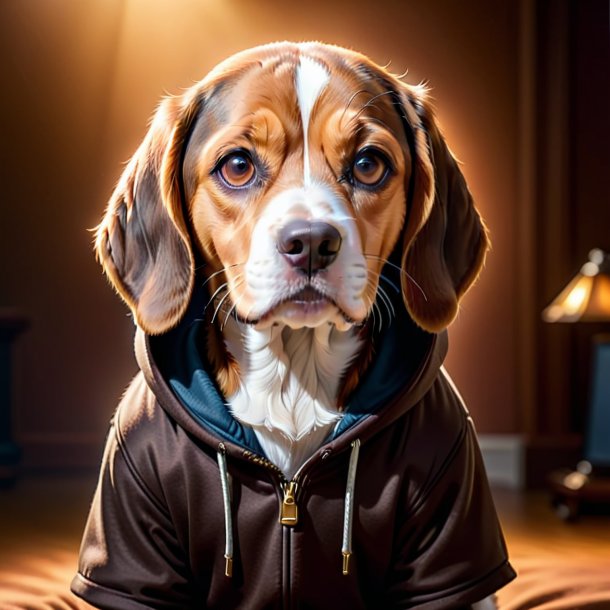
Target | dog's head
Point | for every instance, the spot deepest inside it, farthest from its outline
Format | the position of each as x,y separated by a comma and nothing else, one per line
292,171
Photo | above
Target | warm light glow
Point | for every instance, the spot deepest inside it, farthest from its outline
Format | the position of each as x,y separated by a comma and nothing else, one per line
571,302
577,297
586,297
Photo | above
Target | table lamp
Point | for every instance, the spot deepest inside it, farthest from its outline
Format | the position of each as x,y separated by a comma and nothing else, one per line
586,298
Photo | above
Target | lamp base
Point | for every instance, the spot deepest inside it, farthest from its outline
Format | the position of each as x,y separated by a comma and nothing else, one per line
574,490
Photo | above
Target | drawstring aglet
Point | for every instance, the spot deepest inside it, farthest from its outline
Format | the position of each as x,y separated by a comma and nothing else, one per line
346,558
228,566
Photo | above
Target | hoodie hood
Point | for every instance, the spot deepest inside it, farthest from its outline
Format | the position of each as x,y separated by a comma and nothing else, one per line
405,362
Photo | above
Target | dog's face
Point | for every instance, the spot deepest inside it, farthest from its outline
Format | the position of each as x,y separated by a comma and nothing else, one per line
296,189
293,171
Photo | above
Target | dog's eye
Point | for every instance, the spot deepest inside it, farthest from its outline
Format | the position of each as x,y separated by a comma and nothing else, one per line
370,168
237,169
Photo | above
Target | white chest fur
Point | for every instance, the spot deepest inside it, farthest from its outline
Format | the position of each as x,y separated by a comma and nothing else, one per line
289,384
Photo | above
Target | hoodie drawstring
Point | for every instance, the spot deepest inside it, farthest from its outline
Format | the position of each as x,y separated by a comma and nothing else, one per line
348,516
226,500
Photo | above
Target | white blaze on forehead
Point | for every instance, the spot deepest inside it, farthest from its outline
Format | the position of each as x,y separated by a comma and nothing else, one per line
311,78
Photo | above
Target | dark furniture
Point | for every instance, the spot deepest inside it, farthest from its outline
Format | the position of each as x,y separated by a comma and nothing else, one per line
12,325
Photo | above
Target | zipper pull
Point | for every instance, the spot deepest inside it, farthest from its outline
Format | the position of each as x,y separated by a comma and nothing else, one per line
289,513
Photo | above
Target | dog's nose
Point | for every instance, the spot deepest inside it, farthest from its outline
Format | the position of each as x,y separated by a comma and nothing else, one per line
309,246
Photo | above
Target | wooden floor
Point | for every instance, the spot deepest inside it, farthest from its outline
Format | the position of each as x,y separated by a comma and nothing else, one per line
41,521
561,566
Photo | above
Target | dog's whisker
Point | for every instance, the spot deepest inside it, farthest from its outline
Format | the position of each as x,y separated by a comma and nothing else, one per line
213,276
376,314
219,306
222,300
221,271
223,286
370,119
349,102
370,104
224,322
390,282
376,97
381,276
386,300
401,270
370,312
380,315
233,308
388,308
232,313
369,308
382,299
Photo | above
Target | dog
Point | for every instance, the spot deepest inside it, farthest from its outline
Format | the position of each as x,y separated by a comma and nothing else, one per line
304,198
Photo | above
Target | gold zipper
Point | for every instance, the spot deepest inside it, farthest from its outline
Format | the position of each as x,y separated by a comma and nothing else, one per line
262,461
289,511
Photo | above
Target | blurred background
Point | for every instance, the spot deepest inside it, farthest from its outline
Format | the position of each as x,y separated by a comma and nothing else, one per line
522,90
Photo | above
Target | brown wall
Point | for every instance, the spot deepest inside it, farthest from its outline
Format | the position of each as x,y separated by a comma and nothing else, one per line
80,80
572,187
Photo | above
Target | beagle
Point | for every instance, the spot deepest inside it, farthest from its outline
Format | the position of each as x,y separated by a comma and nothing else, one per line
288,176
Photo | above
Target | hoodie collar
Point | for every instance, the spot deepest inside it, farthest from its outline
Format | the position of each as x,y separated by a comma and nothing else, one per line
180,357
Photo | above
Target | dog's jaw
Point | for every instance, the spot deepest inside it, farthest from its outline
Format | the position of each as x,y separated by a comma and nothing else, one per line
289,381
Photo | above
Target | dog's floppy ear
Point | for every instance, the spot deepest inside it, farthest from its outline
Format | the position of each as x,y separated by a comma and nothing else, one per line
444,239
143,242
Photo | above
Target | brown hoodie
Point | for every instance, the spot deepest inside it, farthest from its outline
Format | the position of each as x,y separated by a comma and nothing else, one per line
392,512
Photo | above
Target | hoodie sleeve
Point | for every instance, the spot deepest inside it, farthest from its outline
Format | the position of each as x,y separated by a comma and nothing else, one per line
449,550
130,557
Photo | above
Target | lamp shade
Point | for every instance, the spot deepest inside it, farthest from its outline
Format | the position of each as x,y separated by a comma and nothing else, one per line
586,298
